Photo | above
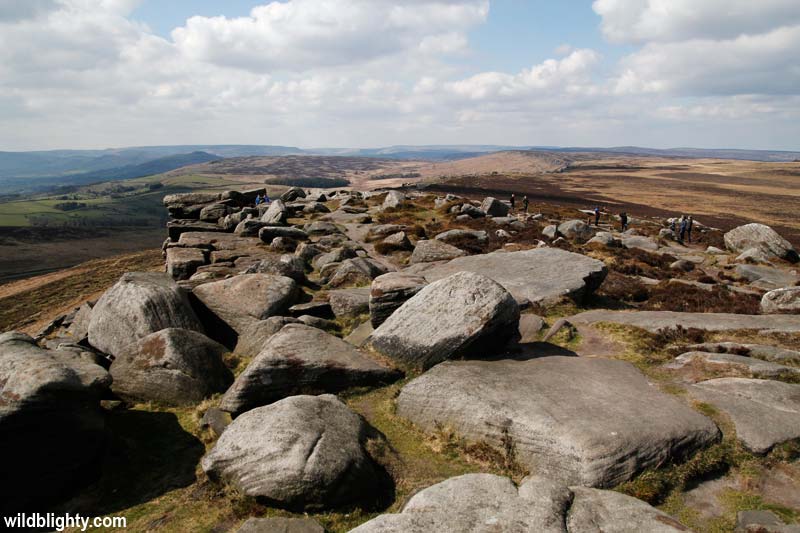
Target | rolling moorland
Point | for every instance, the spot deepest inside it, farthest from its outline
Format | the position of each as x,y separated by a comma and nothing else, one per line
45,231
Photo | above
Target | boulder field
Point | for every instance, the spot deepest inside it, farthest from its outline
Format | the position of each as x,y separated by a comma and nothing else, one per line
320,341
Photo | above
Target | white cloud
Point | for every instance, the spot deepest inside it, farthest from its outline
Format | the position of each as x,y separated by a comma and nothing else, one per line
304,34
81,73
642,21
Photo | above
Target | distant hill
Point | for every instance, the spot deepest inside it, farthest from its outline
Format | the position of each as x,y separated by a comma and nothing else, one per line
53,163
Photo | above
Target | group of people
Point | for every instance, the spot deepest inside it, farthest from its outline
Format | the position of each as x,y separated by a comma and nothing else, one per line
682,229
262,199
514,203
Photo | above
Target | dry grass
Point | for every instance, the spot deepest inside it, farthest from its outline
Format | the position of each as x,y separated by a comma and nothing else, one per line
38,303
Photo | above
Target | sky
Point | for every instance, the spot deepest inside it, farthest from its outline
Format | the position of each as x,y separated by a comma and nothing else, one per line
367,73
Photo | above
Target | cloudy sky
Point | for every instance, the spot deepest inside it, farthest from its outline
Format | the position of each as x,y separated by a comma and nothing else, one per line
322,73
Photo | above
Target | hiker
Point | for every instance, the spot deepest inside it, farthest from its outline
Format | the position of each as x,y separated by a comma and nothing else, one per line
597,215
525,203
689,224
513,201
266,199
258,199
623,219
673,228
682,230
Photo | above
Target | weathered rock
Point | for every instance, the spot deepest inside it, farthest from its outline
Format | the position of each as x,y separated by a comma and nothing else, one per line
575,230
315,207
215,420
457,235
241,300
300,452
289,266
176,228
471,211
171,367
398,241
307,251
596,510
301,359
213,212
276,213
383,230
389,291
337,255
765,413
494,207
266,234
786,300
655,320
480,503
393,199
604,238
577,420
759,351
434,250
754,367
540,275
754,255
249,227
139,304
766,277
254,336
357,271
321,228
761,237
349,302
317,322
183,262
550,231
46,400
293,194
642,243
529,328
449,318
279,524
754,521
79,328
214,241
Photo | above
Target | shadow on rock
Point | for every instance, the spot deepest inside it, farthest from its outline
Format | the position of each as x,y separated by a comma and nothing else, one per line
530,350
147,455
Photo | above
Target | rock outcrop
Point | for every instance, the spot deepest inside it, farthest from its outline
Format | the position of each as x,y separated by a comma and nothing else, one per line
247,298
139,304
762,238
301,359
591,422
479,503
171,367
303,452
449,318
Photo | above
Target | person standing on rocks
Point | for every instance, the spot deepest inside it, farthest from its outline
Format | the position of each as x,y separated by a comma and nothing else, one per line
513,201
597,215
689,225
525,203
258,199
623,219
683,228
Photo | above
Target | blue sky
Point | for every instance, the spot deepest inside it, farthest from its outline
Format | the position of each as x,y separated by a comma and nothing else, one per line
660,73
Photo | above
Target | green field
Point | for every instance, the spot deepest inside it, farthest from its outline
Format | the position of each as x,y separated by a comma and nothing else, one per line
105,205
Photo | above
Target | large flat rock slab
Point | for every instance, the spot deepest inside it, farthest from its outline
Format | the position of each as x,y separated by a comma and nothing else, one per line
764,412
484,503
737,363
540,275
589,422
656,320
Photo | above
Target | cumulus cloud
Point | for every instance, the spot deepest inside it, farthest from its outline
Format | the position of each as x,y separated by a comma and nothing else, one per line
642,21
82,73
304,34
